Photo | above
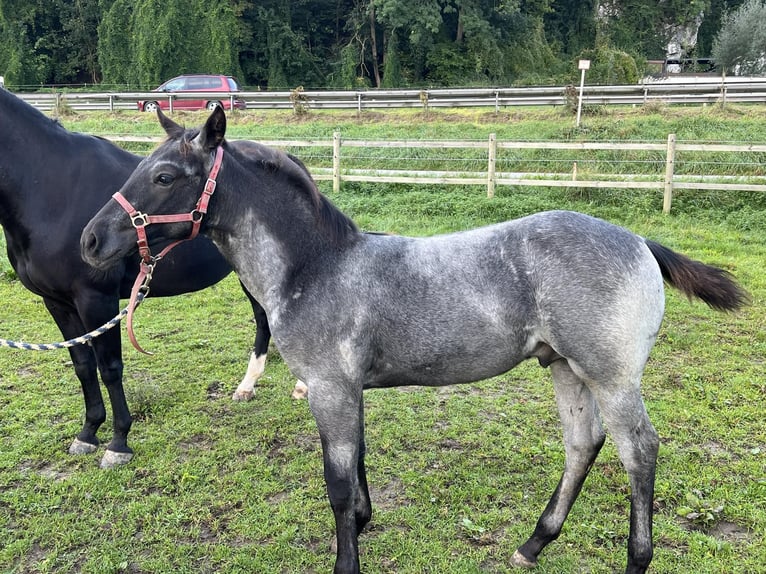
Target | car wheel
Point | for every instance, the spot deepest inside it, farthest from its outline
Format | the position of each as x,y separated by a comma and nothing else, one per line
213,105
151,107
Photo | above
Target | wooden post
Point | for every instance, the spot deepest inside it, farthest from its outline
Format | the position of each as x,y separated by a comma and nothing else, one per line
491,161
669,169
336,162
574,171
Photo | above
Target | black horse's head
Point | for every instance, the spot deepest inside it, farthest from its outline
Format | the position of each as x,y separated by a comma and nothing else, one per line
171,181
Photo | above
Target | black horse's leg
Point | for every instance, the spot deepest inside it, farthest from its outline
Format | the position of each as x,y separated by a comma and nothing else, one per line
109,357
583,438
637,443
257,364
95,309
84,362
336,408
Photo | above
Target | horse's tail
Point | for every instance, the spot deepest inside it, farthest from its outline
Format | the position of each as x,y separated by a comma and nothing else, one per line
714,286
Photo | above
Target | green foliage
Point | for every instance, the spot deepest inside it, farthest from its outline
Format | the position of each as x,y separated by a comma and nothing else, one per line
282,43
698,510
741,41
115,45
610,66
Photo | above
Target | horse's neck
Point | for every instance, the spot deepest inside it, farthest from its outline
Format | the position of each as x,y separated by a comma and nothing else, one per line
269,237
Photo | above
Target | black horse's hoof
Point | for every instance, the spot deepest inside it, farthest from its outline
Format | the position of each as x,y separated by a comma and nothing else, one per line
521,561
112,459
81,447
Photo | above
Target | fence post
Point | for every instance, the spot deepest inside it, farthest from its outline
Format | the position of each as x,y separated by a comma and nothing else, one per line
336,162
669,169
491,161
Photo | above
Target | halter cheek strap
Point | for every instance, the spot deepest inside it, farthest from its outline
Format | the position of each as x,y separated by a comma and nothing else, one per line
141,220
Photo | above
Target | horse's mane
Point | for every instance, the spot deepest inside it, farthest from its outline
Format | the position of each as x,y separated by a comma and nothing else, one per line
333,221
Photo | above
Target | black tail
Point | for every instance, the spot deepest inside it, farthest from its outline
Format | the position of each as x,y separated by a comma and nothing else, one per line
714,286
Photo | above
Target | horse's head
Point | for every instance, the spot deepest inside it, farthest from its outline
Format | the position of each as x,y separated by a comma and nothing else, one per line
171,181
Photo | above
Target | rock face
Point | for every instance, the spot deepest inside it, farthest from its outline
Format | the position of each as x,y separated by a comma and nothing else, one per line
682,40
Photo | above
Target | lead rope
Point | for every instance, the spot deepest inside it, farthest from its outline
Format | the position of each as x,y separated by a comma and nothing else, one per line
87,337
141,286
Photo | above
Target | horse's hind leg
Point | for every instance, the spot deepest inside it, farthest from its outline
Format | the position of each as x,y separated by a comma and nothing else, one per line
583,438
637,445
257,364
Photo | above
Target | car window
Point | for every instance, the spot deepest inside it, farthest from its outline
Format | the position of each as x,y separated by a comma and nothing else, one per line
213,83
233,85
174,85
197,83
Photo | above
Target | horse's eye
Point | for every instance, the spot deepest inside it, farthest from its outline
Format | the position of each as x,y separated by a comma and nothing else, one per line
164,179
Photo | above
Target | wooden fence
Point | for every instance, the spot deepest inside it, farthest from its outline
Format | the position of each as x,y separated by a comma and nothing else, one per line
663,173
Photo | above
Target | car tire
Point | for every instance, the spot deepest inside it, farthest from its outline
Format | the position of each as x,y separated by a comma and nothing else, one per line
212,105
151,107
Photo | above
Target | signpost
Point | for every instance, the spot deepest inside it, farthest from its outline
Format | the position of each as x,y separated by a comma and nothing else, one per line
582,66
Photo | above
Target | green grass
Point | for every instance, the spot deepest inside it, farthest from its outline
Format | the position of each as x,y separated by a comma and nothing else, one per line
458,475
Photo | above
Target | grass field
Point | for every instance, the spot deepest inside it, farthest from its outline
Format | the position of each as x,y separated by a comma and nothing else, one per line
458,475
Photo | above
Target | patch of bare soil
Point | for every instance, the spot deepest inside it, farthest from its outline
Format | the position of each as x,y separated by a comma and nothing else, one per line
388,496
721,530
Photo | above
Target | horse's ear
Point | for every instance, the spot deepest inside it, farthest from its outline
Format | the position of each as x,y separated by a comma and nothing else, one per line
212,133
171,128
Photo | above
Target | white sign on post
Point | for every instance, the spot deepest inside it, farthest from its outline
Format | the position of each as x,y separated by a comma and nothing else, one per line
582,65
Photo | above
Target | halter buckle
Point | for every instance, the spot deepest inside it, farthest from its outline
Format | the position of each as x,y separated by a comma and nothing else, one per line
139,219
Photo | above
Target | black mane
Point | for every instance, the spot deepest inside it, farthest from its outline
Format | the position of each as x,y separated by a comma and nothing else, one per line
339,227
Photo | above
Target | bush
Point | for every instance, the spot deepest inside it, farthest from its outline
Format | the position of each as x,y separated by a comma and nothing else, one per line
610,66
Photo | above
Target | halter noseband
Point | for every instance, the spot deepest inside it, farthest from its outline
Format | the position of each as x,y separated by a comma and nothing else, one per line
141,220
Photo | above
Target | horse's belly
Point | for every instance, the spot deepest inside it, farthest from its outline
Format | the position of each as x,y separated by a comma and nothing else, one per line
450,371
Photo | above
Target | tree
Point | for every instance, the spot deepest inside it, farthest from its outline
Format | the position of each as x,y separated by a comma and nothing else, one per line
740,46
115,48
146,42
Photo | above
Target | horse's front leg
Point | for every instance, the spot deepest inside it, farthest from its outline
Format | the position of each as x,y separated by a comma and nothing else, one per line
338,413
84,362
108,352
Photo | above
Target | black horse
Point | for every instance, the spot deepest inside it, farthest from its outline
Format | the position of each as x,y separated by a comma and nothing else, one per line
52,182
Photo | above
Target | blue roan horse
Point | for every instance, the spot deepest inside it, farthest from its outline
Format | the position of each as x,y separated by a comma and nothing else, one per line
350,311
51,182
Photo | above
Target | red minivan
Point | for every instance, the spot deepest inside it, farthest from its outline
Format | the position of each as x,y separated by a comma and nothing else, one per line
195,83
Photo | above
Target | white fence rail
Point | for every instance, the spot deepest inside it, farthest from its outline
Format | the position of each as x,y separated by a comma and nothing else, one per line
665,172
706,91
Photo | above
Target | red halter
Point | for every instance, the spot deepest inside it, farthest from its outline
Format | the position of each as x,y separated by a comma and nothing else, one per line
141,220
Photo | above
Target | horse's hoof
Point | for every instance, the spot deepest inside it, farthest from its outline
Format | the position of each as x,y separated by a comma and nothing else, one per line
81,447
521,561
112,459
300,391
242,396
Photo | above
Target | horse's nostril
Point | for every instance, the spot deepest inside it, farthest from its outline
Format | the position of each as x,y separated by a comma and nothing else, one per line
90,243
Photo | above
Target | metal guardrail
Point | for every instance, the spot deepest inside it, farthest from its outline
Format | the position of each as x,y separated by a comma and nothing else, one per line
698,92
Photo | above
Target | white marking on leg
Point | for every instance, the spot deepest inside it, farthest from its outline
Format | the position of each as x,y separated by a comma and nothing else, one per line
255,369
301,390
